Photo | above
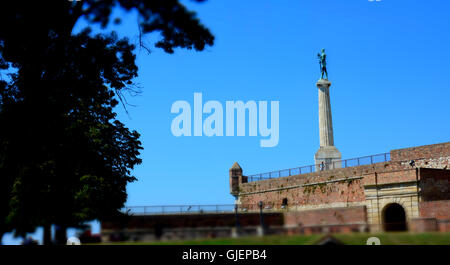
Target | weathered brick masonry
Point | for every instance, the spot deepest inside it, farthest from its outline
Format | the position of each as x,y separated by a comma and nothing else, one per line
185,225
421,188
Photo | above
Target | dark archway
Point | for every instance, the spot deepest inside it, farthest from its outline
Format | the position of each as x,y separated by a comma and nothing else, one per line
394,218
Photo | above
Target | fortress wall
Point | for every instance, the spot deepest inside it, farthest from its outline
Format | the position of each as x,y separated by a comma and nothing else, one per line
323,217
346,185
338,187
434,216
434,184
435,209
429,156
309,178
314,194
167,221
388,177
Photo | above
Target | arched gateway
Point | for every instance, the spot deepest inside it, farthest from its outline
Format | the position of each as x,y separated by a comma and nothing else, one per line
394,217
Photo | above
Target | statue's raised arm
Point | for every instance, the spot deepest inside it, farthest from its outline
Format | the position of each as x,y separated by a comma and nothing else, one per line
323,63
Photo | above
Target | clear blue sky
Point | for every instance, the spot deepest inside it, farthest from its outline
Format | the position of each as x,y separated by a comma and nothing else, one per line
388,63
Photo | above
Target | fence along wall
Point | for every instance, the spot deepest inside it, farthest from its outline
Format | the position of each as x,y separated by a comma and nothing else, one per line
352,162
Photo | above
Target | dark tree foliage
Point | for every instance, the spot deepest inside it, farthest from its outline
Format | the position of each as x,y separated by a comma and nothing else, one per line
64,157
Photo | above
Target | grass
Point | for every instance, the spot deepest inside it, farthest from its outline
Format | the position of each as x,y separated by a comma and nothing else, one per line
403,238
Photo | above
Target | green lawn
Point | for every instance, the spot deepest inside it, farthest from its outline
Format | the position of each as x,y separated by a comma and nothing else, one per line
348,239
398,238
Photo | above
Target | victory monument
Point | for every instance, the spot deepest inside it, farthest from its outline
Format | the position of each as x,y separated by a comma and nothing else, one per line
327,155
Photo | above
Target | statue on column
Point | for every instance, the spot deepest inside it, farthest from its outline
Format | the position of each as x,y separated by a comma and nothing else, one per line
323,63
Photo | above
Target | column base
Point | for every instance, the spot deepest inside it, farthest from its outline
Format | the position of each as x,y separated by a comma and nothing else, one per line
330,156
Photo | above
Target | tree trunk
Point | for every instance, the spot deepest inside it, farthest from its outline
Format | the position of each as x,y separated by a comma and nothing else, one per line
47,236
1,237
61,234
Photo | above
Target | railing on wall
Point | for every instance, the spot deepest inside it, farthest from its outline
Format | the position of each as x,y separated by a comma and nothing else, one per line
177,209
197,209
352,162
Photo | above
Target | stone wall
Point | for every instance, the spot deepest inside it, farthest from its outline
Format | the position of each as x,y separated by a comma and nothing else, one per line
427,156
384,188
434,216
192,220
339,219
342,187
435,209
421,225
186,226
373,186
425,152
434,184
331,186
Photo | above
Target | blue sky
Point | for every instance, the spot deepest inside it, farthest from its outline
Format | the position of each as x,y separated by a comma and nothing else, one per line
388,62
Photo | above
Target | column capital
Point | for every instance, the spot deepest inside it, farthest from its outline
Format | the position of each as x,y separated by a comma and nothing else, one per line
323,83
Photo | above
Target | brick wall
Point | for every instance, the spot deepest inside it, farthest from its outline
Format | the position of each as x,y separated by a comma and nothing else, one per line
338,185
420,152
330,216
435,209
434,216
444,225
434,184
324,187
345,191
332,186
373,186
192,221
331,220
421,225
387,176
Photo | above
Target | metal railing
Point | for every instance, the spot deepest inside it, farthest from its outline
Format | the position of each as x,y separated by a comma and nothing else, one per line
178,209
199,209
352,162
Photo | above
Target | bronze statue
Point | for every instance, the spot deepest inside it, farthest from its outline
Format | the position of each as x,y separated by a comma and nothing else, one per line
323,63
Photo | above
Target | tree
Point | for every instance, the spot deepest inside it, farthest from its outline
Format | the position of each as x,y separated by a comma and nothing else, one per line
64,157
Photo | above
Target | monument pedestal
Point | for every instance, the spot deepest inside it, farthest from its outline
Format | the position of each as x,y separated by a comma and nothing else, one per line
327,157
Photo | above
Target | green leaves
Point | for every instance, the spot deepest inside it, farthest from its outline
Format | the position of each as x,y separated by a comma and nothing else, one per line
64,157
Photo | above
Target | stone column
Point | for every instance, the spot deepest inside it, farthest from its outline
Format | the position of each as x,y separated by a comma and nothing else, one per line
327,155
